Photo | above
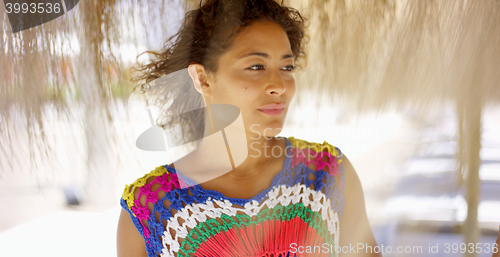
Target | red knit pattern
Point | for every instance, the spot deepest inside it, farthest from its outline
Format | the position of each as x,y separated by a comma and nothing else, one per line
268,238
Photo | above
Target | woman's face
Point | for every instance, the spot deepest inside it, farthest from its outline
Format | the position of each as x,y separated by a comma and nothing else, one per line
255,74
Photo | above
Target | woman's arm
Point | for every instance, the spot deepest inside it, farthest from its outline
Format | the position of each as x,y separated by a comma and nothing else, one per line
128,240
355,230
497,254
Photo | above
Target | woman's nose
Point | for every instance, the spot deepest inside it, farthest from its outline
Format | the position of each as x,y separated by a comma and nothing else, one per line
276,85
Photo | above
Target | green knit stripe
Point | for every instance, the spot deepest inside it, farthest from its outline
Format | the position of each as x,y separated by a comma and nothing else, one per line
203,231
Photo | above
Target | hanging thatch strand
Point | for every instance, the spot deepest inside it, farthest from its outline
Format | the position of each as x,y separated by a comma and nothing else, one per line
395,51
41,68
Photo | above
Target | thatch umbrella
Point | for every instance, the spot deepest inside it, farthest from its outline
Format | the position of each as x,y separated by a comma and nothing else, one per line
71,63
420,53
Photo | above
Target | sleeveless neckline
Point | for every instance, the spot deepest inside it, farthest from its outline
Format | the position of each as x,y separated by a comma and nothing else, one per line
276,180
295,204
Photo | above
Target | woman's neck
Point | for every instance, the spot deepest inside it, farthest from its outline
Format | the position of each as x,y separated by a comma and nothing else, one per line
213,158
261,153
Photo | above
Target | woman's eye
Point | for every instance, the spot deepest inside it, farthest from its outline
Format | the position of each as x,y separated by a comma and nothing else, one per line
256,67
289,68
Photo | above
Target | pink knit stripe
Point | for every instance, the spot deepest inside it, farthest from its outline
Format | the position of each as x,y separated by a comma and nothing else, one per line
301,156
167,182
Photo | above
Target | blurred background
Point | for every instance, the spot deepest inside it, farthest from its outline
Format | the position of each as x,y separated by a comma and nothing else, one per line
408,90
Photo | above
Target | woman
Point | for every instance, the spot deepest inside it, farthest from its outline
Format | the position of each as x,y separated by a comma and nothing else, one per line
291,201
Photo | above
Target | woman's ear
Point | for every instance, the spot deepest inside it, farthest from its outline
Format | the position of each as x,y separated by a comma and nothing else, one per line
198,74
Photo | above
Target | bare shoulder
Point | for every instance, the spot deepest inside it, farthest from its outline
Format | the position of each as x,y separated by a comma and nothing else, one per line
353,191
355,220
353,188
129,242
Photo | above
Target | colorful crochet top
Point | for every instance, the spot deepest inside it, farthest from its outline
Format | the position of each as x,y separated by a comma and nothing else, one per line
302,207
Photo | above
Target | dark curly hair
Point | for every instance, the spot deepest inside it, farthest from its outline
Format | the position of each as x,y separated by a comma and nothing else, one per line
205,34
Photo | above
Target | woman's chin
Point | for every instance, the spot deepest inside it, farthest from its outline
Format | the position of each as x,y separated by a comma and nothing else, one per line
272,132
265,129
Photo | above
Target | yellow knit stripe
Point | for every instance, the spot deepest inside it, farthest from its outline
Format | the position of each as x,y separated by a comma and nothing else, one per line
302,144
128,193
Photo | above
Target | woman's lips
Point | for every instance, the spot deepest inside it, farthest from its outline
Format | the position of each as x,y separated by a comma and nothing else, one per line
273,106
272,112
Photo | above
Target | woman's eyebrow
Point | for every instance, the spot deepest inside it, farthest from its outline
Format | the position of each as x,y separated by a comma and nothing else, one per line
286,56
